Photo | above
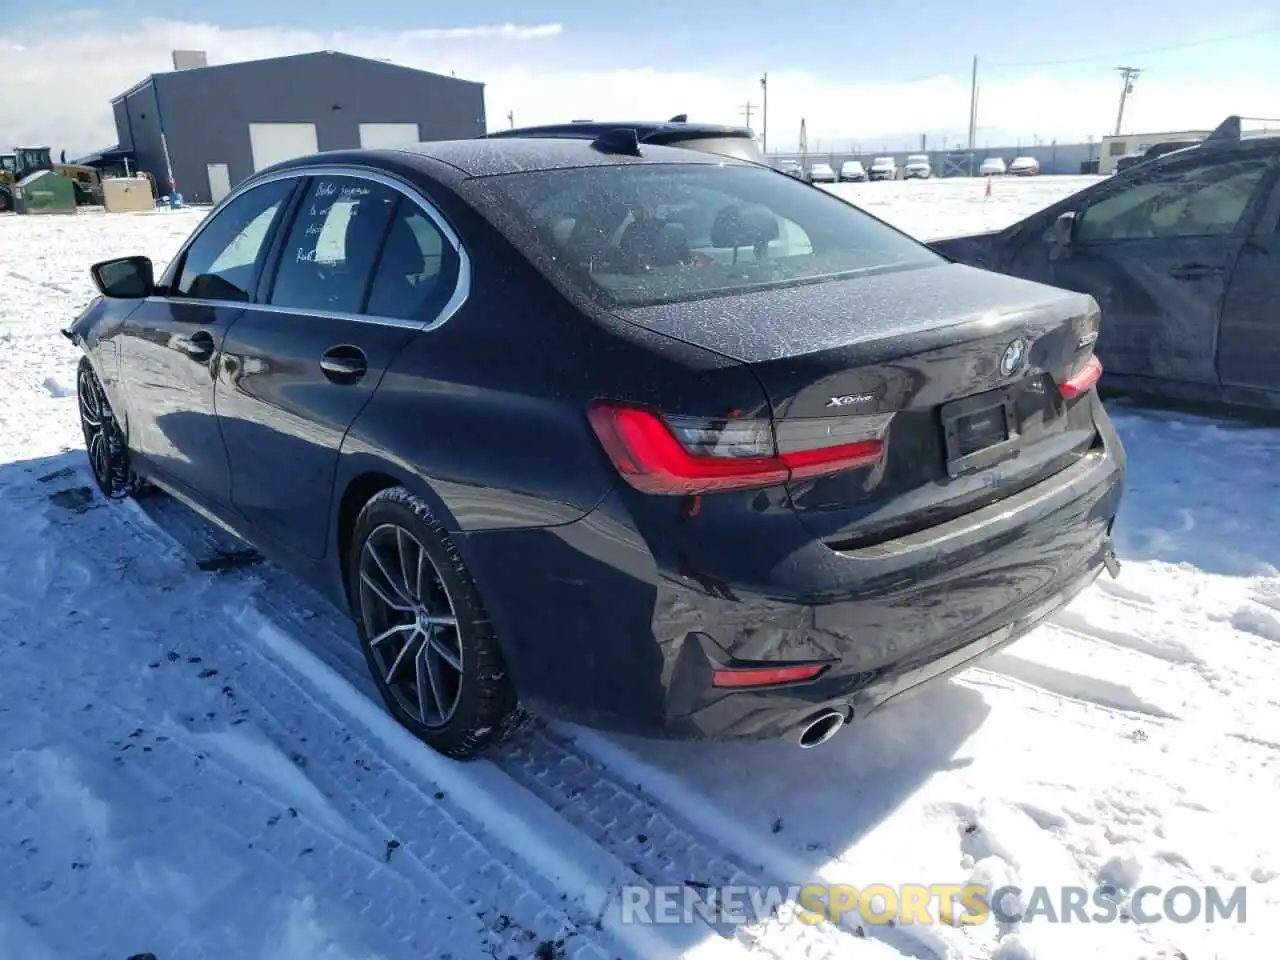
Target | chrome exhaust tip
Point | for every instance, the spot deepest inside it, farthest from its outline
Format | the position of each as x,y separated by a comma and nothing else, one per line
820,728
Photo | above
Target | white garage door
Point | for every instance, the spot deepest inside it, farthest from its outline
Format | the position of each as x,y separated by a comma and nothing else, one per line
375,135
276,142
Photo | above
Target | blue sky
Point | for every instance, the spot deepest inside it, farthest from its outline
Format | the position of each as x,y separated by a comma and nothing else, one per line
852,70
900,41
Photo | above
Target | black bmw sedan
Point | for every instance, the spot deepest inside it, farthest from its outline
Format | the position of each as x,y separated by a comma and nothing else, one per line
644,437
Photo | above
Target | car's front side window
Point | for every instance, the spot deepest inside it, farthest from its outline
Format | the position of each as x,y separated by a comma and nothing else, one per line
328,258
1197,201
223,261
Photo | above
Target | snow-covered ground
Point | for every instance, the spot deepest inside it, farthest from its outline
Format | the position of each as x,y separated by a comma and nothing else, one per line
192,763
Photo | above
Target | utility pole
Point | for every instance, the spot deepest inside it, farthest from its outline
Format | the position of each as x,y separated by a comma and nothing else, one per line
747,110
764,113
973,104
1129,74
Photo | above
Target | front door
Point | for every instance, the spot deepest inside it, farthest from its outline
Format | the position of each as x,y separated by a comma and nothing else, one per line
1155,253
170,346
219,181
1249,338
361,271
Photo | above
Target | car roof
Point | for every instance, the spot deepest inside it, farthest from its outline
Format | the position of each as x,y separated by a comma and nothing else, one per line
487,157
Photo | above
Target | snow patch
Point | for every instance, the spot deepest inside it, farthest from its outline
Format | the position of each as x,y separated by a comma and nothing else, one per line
303,937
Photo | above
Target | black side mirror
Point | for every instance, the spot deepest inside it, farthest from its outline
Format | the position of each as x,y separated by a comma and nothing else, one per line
125,278
1063,232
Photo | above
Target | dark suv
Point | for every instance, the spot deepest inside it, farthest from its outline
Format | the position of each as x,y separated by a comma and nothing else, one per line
736,142
1180,251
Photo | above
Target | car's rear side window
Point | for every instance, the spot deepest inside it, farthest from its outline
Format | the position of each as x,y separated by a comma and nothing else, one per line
418,269
328,259
638,234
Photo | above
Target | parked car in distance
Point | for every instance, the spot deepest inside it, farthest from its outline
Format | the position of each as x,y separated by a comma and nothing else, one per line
821,173
883,168
917,167
1181,253
852,171
1024,167
805,463
791,169
991,167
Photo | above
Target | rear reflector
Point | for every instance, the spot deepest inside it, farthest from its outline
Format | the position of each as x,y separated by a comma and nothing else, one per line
684,455
1083,381
765,676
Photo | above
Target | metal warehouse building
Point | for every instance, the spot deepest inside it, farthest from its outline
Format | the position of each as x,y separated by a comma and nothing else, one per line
209,127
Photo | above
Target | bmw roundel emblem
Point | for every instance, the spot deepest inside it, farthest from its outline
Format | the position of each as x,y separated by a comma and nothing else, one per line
1015,355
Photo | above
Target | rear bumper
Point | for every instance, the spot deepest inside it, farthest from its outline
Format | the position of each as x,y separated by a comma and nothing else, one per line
614,628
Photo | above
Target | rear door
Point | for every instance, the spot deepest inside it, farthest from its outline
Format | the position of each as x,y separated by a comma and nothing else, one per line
1249,336
363,267
1155,254
171,345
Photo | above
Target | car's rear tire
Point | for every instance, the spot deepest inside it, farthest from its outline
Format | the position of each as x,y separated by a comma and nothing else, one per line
104,441
424,631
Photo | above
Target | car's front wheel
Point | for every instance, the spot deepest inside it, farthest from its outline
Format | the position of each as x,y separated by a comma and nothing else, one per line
424,631
104,441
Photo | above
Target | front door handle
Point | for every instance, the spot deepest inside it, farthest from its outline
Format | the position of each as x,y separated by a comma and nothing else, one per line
199,346
344,364
1194,271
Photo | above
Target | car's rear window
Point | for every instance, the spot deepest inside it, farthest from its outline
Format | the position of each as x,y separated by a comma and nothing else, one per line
739,148
643,234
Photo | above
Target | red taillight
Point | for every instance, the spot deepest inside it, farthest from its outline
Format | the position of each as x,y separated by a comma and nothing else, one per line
764,676
1083,380
682,455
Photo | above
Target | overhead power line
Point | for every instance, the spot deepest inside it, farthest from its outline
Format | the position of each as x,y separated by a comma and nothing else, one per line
1140,53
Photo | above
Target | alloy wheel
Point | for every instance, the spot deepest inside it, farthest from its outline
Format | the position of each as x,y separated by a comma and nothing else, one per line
103,441
411,624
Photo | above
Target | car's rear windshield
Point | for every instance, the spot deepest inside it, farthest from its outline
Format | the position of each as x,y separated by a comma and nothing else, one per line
643,234
739,148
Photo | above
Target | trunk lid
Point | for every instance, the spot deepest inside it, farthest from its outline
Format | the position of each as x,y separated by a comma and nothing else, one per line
956,369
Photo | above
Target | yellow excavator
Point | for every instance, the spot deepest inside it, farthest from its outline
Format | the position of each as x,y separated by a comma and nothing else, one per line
22,162
18,165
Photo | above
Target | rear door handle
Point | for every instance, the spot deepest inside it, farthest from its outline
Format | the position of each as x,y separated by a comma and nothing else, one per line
1194,271
344,364
199,346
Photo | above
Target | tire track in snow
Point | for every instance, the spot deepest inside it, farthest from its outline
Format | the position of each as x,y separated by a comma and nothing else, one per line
1172,651
353,767
652,841
442,882
1106,694
744,845
142,865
